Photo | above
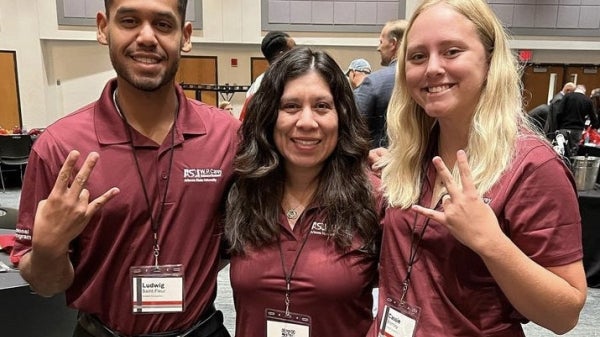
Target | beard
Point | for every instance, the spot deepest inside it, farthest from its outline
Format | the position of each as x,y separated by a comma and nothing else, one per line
141,81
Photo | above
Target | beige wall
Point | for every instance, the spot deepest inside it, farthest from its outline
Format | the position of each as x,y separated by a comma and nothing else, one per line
19,32
63,68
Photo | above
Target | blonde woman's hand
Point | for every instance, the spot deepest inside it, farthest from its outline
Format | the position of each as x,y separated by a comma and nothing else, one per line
468,218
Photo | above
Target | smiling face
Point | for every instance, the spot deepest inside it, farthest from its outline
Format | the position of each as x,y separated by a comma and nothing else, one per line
306,130
145,38
445,68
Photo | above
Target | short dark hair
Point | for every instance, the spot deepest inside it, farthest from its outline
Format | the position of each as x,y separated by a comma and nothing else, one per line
273,44
181,8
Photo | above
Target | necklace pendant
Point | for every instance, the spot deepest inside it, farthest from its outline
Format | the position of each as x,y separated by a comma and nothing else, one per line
291,214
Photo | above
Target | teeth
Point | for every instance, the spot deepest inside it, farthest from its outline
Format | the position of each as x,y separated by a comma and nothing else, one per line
306,142
146,60
438,88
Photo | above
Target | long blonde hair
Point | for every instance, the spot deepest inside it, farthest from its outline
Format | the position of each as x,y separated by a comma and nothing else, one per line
496,122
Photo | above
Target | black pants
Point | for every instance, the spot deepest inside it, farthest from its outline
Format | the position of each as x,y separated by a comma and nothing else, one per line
220,331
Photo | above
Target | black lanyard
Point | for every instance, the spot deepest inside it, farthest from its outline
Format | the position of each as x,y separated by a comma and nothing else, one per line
288,277
154,222
415,244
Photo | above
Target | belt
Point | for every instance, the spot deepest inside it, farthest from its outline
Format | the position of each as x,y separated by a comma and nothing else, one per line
210,321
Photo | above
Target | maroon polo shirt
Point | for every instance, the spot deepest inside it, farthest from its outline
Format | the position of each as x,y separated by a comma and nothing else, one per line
536,204
120,235
330,286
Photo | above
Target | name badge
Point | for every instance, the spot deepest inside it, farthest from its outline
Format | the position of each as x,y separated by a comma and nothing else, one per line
157,289
291,325
399,319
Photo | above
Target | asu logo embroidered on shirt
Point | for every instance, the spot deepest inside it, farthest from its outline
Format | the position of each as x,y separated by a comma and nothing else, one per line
202,175
319,228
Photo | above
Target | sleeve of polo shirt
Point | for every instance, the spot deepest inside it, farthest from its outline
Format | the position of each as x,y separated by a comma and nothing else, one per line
37,184
542,211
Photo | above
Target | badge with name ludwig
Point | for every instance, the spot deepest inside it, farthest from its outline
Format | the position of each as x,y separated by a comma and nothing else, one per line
282,324
157,289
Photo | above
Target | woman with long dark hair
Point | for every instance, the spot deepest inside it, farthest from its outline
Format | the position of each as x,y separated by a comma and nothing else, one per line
301,219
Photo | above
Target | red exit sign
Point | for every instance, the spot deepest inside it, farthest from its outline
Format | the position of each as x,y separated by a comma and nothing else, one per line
525,55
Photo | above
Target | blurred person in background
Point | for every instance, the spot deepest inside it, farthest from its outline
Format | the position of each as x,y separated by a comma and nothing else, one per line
226,105
273,45
595,97
373,95
567,88
357,71
576,111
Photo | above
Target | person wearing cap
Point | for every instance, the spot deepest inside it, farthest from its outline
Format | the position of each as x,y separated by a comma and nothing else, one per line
373,95
357,71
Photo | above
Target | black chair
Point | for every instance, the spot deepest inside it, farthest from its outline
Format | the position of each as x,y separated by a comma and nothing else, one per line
8,218
14,151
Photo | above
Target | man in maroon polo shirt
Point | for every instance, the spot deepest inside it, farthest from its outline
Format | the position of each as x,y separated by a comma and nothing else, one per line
132,232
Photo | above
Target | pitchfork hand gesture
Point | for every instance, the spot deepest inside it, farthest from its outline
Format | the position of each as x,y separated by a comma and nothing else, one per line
470,220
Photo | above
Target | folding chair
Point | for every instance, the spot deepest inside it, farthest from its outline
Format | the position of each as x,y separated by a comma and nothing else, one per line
14,151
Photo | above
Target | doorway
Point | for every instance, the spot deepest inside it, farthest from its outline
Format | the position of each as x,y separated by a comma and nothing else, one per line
199,70
586,75
542,81
258,65
10,106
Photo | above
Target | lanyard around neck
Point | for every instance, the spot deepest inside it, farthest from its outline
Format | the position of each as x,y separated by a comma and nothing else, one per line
154,222
415,244
288,276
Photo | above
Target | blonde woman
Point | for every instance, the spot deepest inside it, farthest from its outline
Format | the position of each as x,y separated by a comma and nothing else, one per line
482,229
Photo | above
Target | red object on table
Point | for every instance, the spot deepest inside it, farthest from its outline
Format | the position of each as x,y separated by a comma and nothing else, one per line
7,241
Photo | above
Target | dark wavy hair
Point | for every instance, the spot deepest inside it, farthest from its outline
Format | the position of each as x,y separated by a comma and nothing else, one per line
181,7
345,191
